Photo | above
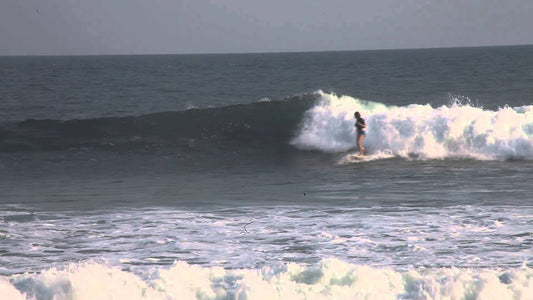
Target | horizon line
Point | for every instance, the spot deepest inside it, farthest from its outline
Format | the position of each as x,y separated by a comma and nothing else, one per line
264,52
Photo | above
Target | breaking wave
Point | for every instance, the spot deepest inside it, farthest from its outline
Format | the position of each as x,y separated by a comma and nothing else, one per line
318,121
449,131
329,279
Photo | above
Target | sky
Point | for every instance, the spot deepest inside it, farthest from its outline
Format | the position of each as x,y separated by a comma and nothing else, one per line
81,27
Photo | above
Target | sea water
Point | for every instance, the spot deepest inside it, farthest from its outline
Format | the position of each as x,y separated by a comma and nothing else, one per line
228,176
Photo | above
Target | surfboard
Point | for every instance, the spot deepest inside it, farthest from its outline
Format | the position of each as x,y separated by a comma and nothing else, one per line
359,156
356,157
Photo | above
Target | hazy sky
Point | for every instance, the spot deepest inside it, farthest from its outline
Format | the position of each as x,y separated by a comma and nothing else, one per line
210,26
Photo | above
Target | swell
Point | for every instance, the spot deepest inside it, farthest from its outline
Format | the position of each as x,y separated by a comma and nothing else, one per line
272,122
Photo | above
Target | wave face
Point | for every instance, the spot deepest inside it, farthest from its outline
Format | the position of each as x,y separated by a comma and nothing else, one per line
330,279
422,131
261,122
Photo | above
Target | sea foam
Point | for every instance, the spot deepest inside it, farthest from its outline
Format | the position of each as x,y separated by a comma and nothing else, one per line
329,279
417,130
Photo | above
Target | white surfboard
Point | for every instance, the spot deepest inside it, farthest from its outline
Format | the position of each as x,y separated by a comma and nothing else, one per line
356,157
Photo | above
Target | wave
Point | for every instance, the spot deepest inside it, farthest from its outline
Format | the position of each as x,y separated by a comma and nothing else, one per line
329,279
449,131
260,122
318,121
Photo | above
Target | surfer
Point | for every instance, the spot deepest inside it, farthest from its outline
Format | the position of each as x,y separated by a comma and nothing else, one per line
360,125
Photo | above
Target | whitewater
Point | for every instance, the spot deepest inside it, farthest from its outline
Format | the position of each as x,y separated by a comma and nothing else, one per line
276,253
450,131
331,279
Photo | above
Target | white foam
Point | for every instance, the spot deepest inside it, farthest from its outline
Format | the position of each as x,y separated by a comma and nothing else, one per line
264,99
191,106
421,130
329,279
8,291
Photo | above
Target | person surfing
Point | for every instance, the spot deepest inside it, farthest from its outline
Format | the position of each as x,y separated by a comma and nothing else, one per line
360,126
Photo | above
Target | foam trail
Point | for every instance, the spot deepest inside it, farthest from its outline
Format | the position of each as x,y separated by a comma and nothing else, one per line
329,279
448,131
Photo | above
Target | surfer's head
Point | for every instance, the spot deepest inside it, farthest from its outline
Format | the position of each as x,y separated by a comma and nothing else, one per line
357,115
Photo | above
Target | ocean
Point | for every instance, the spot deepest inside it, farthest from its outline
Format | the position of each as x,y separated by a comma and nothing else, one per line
232,176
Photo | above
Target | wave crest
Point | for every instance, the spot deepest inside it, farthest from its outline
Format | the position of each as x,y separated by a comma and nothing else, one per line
426,132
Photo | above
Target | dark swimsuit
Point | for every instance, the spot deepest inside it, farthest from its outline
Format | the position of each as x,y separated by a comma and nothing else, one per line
360,130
